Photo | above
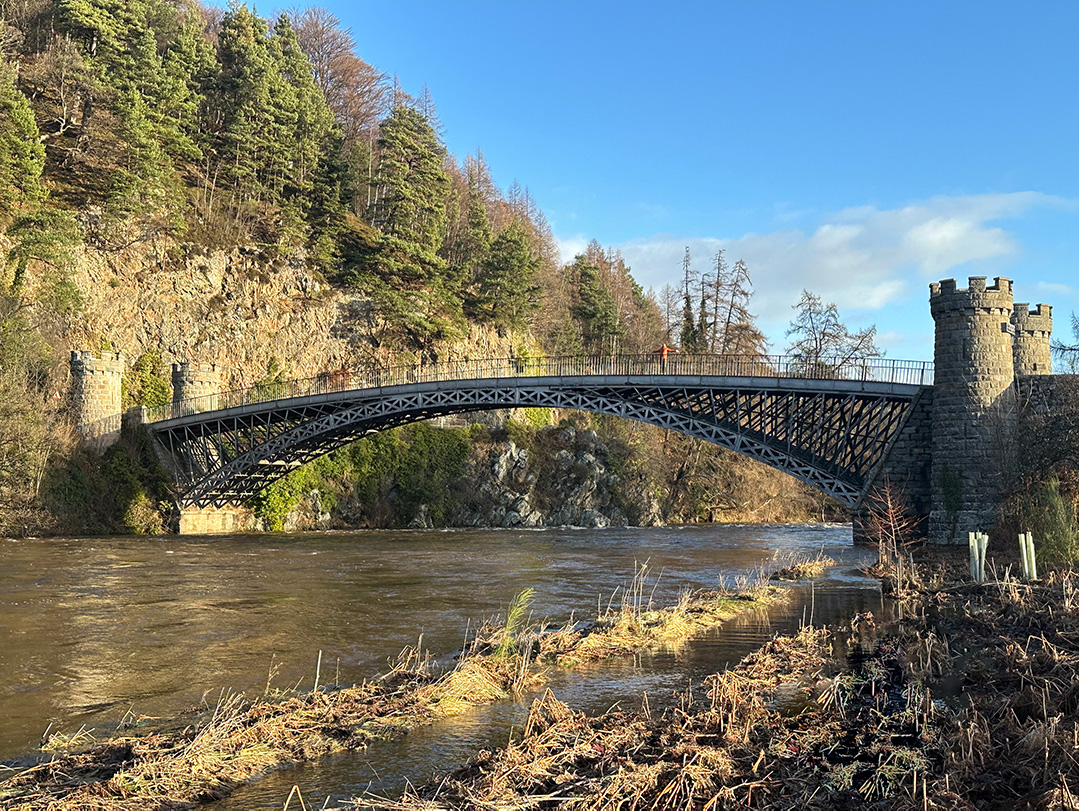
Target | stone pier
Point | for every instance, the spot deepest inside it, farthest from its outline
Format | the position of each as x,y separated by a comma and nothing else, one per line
212,520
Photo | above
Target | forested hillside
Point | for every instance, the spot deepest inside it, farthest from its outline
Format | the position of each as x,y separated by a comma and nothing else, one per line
140,135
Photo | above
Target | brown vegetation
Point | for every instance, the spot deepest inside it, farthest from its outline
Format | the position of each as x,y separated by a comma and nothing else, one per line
239,739
968,702
803,567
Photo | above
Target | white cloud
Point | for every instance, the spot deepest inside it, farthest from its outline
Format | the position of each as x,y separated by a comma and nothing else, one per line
860,258
569,247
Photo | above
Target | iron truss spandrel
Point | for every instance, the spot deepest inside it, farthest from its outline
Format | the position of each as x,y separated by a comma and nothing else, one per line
828,433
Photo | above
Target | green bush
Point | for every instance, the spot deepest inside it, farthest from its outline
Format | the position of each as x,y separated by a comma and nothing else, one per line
122,490
1051,517
146,383
400,469
521,434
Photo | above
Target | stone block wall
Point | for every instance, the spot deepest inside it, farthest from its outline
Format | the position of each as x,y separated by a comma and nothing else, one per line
1033,328
973,405
196,382
96,380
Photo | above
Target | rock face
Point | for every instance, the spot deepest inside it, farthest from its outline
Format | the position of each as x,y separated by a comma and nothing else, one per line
233,308
562,478
562,481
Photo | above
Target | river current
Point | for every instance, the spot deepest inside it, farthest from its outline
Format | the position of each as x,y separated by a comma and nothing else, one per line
92,629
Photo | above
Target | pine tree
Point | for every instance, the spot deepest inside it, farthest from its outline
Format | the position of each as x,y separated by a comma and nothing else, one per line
691,338
251,102
470,245
601,327
410,200
22,157
313,120
505,291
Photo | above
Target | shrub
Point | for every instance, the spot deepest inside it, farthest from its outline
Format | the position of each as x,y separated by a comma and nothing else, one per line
1051,517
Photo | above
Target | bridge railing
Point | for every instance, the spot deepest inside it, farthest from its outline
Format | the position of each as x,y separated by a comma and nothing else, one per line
770,366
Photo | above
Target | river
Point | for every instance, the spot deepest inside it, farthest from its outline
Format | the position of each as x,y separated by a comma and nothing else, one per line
92,629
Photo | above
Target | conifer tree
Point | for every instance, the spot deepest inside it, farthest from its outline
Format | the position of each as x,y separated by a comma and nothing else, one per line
252,101
601,327
505,291
470,245
409,206
313,126
22,157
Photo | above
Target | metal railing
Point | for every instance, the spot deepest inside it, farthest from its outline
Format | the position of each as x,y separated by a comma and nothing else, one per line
770,366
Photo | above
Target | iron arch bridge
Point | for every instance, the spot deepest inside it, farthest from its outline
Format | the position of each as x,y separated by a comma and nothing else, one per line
828,424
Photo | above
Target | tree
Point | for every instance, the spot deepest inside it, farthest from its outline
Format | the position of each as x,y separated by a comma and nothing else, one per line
468,244
691,339
22,157
62,87
355,92
668,307
505,291
409,205
47,236
308,141
1068,354
822,342
251,101
738,334
596,311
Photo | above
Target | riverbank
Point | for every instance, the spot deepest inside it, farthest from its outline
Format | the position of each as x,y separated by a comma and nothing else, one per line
213,750
969,701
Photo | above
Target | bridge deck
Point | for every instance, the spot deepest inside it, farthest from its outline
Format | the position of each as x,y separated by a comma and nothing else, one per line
828,431
772,371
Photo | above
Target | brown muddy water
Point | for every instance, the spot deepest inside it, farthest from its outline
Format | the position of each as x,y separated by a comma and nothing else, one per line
93,629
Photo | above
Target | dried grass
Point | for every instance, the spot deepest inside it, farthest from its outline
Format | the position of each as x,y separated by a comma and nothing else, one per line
241,739
970,701
801,567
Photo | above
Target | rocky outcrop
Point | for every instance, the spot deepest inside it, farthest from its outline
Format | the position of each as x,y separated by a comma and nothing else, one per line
234,308
556,476
561,480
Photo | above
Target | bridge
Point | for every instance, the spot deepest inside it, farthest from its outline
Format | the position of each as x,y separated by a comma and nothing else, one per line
827,423
946,432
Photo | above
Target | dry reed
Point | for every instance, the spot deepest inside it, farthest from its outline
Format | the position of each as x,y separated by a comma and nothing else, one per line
240,739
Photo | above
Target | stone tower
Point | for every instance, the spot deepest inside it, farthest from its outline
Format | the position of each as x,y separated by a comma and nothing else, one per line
196,382
1033,329
973,405
95,393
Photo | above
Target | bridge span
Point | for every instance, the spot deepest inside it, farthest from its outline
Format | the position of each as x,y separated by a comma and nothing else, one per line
947,432
828,423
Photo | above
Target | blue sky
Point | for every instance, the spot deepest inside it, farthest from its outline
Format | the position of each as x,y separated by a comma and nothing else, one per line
861,150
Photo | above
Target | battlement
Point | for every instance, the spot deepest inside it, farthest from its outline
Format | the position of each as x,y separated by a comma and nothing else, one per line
195,372
194,380
96,386
945,297
86,362
1034,320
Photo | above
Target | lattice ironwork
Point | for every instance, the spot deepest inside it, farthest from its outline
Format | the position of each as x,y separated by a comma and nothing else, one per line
828,433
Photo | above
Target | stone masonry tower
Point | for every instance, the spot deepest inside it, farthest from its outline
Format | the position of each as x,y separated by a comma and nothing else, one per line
95,393
196,380
1033,328
973,405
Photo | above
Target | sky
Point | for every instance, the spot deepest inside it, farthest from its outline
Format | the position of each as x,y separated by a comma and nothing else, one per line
859,150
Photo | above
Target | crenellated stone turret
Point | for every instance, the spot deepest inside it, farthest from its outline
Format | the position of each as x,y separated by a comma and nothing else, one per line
1033,329
96,380
973,405
197,383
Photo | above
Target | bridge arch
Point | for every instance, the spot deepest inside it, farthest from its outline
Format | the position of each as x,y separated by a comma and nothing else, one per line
831,434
